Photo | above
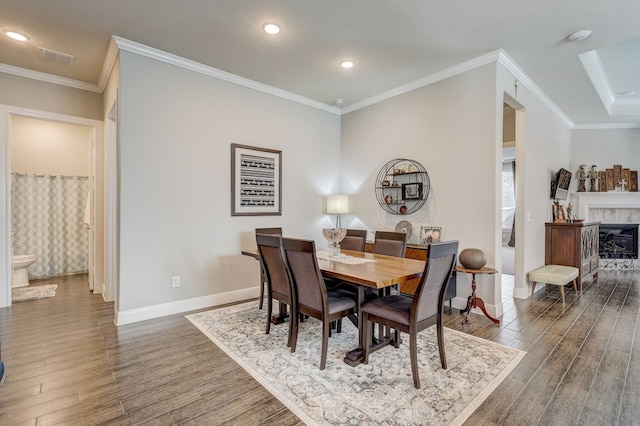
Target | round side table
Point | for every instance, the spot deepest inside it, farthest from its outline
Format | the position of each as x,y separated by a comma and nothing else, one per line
474,301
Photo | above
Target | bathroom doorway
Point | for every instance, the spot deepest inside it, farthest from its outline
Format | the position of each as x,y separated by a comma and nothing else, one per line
20,132
51,196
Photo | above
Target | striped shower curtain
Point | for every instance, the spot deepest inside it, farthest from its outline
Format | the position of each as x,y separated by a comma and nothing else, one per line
47,220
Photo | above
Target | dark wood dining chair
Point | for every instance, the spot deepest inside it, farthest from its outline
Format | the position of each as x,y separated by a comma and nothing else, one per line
277,277
310,296
390,243
354,240
412,315
263,278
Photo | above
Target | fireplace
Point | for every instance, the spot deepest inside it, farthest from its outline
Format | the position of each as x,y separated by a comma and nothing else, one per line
618,241
616,208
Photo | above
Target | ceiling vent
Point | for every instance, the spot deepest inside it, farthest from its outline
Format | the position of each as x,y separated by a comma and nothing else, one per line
53,56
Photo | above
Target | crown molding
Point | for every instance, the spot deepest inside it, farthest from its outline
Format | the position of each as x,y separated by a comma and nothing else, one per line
425,81
523,78
593,66
498,56
606,126
49,78
150,52
595,70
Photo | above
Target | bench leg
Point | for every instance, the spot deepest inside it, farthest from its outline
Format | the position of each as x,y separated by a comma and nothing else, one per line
575,287
562,293
533,287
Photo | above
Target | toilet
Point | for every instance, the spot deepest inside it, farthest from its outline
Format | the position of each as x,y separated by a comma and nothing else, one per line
20,276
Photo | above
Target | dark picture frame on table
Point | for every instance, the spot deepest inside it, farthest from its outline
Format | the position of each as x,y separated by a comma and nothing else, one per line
256,181
412,191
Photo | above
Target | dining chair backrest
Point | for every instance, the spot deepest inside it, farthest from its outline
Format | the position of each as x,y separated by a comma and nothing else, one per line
429,296
354,240
271,256
390,243
269,231
306,277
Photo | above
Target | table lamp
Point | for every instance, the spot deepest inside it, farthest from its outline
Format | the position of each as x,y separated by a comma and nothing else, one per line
337,204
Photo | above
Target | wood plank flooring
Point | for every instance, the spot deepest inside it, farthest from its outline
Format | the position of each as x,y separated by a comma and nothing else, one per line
66,363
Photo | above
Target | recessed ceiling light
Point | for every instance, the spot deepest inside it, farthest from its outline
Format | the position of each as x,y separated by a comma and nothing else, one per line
16,35
579,35
347,64
271,28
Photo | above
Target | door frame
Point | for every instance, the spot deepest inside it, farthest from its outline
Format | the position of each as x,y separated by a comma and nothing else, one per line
6,114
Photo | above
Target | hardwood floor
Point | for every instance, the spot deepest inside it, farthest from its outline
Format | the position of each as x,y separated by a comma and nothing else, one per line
66,363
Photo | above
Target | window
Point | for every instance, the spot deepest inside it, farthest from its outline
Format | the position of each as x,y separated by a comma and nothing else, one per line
508,196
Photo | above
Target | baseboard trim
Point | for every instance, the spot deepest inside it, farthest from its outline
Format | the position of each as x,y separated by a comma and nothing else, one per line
493,310
179,306
521,293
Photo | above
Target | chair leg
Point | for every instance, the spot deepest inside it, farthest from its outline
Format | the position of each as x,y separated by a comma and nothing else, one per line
440,334
413,350
292,320
269,313
294,327
261,294
339,327
326,329
575,287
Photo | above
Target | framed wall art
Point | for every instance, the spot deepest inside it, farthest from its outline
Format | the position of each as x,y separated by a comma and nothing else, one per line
256,181
411,191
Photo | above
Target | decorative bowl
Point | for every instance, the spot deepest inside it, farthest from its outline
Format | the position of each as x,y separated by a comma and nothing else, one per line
334,235
472,258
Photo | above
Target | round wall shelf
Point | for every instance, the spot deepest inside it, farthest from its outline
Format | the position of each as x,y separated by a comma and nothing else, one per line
402,186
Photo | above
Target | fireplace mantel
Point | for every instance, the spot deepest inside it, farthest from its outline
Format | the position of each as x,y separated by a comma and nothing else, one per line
584,201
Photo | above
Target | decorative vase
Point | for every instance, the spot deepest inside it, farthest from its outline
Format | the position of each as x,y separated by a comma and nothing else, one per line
472,258
334,236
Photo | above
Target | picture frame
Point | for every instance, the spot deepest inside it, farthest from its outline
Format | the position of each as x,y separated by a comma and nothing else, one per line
412,191
256,181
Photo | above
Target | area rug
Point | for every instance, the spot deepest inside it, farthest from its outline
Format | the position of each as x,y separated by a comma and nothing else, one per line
381,392
25,294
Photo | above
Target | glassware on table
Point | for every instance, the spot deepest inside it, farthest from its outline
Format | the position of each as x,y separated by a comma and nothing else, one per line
334,236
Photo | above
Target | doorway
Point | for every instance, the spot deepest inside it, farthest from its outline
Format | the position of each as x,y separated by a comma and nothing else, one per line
10,119
508,201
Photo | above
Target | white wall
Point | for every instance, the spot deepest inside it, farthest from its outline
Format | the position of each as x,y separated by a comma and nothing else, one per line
41,96
543,146
604,148
49,147
449,127
176,128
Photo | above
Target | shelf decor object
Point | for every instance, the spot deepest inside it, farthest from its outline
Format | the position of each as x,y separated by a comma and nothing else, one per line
472,258
256,180
402,186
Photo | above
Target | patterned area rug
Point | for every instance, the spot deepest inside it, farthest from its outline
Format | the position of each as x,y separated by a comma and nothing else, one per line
381,392
25,294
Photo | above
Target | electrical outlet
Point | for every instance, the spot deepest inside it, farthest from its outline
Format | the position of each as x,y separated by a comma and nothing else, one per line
175,281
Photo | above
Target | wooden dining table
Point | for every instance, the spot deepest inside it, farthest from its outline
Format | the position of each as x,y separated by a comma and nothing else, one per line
383,272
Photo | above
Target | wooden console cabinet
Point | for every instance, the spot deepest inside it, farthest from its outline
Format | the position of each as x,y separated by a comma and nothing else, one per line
573,244
420,253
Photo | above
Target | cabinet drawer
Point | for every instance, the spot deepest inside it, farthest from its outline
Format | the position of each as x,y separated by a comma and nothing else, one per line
594,264
585,269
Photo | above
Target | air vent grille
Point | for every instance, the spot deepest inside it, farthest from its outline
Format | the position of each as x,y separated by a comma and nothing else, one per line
53,56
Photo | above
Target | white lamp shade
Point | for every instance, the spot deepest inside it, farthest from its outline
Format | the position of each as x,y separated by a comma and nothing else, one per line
337,204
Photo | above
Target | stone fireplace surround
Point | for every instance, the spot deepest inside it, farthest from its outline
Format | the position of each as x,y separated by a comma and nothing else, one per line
609,207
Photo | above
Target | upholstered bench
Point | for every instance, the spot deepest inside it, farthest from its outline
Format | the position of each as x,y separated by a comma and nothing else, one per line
554,274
